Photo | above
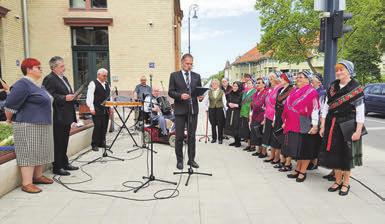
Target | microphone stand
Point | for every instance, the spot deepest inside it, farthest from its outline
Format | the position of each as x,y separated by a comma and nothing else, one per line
190,170
151,177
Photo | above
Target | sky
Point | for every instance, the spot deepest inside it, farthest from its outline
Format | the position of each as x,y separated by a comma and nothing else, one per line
224,30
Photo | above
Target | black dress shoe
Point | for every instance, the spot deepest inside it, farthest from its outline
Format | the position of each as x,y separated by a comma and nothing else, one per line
237,145
61,172
220,142
328,176
261,156
193,164
247,148
252,149
311,166
256,154
232,144
279,166
286,168
104,146
334,189
268,160
70,167
94,148
275,162
213,141
293,176
179,165
344,193
332,178
300,180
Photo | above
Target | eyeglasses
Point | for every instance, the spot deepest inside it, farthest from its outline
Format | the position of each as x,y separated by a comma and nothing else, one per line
38,67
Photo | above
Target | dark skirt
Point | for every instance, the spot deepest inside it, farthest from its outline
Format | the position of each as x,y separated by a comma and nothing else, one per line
301,146
342,155
244,130
269,139
232,122
277,130
256,133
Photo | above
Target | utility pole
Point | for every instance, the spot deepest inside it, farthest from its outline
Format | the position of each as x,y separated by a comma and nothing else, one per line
332,27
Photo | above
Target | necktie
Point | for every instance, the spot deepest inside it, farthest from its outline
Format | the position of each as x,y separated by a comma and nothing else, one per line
187,80
65,83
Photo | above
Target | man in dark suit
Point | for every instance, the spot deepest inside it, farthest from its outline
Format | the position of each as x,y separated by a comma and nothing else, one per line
182,88
63,114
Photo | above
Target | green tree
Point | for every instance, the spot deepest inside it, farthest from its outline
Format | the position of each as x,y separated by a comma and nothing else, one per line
290,29
220,75
363,46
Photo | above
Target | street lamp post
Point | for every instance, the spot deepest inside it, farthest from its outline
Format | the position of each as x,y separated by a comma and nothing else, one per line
193,7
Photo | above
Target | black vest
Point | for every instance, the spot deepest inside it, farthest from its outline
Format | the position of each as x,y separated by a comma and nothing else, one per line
101,95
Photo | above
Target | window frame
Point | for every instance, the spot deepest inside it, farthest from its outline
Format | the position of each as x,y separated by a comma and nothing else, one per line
88,6
374,88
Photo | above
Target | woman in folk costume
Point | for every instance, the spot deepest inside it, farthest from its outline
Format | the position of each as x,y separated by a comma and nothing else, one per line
268,139
342,122
233,112
316,82
258,113
284,164
300,124
215,102
247,98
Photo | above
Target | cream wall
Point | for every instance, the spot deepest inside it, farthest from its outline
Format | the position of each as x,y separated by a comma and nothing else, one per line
11,40
48,35
133,43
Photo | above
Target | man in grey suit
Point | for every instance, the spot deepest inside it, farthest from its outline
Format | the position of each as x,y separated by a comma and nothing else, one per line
182,88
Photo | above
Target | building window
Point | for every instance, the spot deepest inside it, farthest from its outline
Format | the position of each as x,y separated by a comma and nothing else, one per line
78,4
88,4
90,36
99,4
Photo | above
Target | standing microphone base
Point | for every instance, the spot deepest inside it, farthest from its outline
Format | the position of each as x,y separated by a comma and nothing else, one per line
191,172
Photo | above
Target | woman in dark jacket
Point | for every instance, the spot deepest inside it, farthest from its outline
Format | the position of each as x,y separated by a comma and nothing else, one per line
233,113
285,163
342,121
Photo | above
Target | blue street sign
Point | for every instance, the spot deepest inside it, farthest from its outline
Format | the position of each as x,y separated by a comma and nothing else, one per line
151,65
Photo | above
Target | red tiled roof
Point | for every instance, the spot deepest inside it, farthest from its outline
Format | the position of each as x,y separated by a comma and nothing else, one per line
252,55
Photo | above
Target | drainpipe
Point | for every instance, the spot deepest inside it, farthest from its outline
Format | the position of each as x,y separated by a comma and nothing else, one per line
25,28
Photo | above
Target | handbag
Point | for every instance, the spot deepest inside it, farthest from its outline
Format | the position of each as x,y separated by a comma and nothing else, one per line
277,133
305,124
349,127
257,130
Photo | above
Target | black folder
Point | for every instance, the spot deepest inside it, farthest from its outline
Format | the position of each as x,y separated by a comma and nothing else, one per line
200,91
348,128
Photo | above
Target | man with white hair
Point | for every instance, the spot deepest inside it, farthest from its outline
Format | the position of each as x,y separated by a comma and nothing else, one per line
98,92
155,113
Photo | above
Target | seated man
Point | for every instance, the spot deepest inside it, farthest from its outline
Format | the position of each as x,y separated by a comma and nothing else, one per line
155,112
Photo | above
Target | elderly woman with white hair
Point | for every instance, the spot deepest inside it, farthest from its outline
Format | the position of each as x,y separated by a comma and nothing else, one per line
98,92
342,125
215,103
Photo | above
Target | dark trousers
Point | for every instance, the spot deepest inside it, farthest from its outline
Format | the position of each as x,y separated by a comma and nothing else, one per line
61,134
217,120
181,123
100,130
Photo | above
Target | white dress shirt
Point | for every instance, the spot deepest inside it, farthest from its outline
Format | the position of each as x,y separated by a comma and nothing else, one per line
184,76
360,110
91,92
